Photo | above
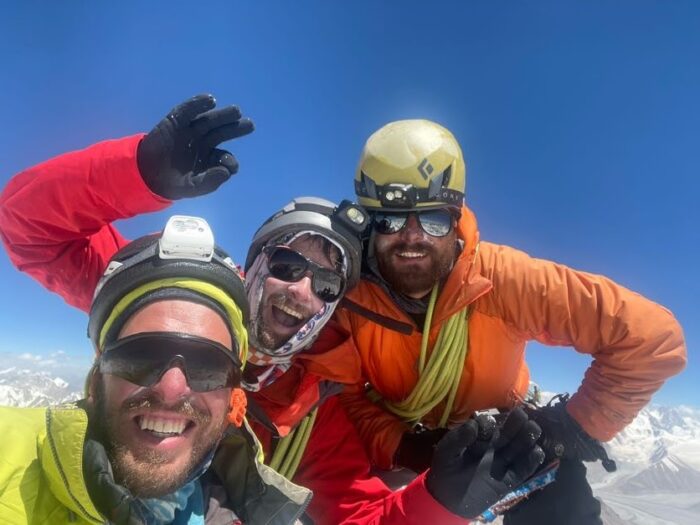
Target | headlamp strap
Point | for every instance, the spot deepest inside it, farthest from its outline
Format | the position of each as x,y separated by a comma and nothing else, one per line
406,195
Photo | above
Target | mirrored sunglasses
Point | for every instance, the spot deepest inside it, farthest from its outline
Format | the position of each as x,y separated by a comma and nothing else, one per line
436,223
290,266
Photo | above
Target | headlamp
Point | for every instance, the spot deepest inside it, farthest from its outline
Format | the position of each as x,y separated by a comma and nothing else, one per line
397,195
351,216
186,237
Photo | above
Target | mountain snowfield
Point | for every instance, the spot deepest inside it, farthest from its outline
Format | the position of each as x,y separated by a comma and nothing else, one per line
21,387
658,476
658,454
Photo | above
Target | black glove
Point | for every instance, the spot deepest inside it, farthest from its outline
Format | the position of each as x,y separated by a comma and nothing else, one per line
477,464
563,437
179,158
416,448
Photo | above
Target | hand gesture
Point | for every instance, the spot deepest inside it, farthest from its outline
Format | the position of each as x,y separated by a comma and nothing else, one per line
477,464
179,157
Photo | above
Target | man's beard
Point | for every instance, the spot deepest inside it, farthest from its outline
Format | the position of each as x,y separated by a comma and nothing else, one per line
145,472
266,337
264,334
413,280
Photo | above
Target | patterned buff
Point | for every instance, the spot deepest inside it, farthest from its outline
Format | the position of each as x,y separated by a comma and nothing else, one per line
277,361
184,506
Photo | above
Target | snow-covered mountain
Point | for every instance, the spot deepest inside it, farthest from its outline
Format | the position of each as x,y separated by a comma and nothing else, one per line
25,388
658,476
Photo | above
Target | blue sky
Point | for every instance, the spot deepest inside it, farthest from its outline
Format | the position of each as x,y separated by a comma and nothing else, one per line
579,123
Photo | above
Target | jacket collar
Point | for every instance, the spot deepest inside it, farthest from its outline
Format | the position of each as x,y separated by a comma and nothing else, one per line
62,460
465,284
333,356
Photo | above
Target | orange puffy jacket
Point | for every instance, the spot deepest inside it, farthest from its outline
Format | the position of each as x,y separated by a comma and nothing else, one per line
636,344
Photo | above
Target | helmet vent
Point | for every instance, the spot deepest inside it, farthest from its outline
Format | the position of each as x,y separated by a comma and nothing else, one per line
369,188
446,176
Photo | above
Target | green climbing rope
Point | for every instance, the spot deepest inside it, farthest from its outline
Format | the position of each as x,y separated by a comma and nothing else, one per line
439,378
290,448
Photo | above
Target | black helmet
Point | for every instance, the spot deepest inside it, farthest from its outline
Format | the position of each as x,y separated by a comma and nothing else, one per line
342,224
180,262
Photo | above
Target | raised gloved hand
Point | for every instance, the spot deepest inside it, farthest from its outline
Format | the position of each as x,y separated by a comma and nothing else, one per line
417,447
563,437
476,464
179,157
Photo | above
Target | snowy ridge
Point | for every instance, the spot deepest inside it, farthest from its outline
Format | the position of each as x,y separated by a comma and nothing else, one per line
658,477
25,388
658,432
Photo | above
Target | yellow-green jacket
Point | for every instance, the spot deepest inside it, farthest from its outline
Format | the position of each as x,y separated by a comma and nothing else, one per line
42,481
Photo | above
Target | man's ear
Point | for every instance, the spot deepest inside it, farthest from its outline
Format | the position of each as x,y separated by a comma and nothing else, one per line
91,385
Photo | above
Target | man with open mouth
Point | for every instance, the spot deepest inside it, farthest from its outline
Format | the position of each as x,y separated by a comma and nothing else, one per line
161,436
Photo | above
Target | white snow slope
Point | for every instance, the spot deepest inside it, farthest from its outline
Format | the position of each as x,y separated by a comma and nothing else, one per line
25,388
658,477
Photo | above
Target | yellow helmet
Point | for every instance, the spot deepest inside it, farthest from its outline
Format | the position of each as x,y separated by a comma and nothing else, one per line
411,164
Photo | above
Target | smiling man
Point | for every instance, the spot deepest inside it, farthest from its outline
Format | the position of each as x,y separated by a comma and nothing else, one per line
286,307
441,320
299,265
157,437
160,437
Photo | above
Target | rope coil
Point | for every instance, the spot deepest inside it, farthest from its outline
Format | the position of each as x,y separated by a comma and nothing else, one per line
439,378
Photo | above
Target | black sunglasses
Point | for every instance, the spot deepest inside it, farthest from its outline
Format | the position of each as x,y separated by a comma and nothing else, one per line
288,265
436,223
143,358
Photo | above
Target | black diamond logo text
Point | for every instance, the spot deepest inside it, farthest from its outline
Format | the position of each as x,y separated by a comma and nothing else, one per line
425,168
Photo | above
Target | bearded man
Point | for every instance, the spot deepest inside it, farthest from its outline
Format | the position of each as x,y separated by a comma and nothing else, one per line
441,320
153,441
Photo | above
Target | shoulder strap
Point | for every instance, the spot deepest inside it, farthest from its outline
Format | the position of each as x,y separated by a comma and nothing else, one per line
386,322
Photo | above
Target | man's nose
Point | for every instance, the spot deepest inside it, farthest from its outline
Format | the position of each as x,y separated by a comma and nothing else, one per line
412,231
172,385
301,290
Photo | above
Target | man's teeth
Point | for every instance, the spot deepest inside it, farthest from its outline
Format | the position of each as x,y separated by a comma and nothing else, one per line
162,426
289,311
411,255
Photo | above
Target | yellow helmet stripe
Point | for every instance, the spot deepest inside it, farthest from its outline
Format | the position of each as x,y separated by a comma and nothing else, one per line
235,316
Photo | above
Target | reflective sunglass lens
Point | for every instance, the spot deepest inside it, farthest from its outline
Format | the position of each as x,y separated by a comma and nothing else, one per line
209,372
291,266
437,223
286,265
389,224
327,285
132,365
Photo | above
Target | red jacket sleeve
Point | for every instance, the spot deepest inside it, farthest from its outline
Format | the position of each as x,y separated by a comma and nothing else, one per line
335,467
55,218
